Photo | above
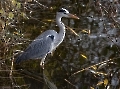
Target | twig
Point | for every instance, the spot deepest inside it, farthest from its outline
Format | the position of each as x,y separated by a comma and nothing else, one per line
11,71
72,30
69,82
90,67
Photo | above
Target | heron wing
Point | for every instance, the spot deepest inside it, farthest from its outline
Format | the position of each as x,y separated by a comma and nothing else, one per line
37,49
40,47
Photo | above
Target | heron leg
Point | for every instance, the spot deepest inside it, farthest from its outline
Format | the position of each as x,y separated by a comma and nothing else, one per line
42,62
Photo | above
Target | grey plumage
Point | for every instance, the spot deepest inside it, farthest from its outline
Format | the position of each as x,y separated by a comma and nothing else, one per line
47,41
39,47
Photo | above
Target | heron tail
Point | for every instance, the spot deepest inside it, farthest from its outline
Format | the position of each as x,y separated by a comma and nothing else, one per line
20,58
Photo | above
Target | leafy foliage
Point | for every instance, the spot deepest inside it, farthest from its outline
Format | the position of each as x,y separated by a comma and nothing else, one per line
87,61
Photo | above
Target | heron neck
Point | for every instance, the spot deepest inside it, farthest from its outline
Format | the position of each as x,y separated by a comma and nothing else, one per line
61,33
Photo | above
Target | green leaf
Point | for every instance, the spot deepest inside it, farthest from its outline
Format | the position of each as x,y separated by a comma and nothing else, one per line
18,5
14,2
11,15
1,11
24,15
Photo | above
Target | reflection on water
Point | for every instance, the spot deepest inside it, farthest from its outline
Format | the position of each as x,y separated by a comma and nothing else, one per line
88,61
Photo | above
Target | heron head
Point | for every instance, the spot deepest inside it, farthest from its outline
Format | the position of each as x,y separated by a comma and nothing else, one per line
65,13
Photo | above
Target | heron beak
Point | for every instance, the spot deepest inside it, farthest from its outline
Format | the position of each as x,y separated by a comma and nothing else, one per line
73,16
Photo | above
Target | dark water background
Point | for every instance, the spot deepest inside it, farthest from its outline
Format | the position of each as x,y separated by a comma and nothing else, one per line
90,61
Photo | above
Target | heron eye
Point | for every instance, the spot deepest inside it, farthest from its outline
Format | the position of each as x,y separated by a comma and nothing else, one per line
61,10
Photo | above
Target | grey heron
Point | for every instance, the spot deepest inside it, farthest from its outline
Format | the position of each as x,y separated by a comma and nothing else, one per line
47,41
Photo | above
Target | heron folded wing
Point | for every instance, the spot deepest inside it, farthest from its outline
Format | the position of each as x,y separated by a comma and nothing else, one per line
37,49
